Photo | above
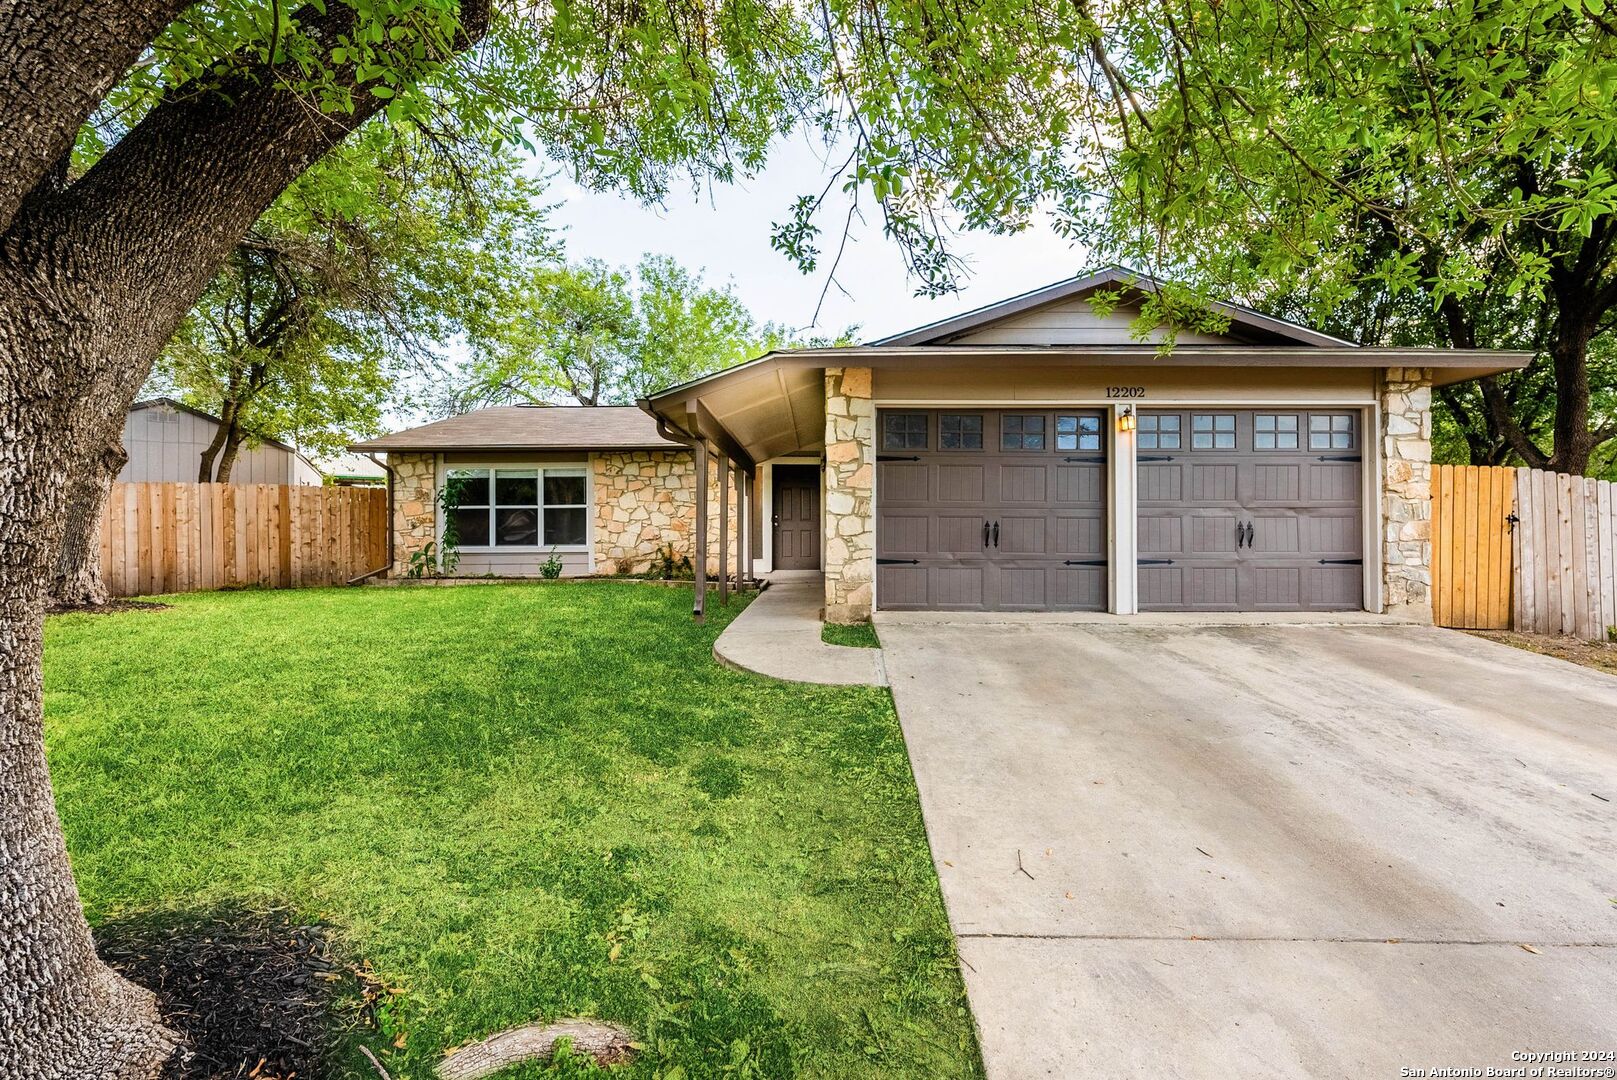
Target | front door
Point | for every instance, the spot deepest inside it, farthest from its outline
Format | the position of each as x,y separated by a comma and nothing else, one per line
797,517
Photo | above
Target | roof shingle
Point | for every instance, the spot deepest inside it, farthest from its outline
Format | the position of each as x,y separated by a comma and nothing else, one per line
532,427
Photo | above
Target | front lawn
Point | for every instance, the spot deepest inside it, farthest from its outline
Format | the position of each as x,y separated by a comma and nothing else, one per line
520,803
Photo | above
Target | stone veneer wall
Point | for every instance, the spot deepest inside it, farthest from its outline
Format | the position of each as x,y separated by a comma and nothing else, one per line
415,507
850,528
643,500
1406,493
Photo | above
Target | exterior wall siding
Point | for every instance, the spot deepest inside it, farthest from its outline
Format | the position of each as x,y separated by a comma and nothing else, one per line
1406,492
850,523
415,519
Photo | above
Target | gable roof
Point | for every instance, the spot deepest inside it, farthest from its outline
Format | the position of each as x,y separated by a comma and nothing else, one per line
532,427
1249,327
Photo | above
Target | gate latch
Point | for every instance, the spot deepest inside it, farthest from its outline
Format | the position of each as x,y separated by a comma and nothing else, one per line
1512,520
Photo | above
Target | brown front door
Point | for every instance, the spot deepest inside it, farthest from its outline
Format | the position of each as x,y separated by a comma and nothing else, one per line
797,517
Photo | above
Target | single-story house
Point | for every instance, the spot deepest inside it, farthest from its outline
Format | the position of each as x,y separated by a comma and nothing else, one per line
165,438
1034,454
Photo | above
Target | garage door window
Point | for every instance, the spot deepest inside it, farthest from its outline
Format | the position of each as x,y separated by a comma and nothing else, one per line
903,431
1274,431
1159,432
1021,432
1077,433
960,431
1212,431
1330,431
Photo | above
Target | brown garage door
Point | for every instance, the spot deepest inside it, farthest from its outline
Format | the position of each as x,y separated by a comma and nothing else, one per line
1250,510
991,510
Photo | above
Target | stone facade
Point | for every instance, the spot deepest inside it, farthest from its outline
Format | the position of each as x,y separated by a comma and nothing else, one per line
1406,491
415,506
850,526
643,501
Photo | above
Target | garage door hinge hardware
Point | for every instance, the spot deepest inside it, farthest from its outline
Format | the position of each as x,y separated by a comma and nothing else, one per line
1341,562
1156,562
1154,457
1084,562
898,562
895,457
1090,458
1345,457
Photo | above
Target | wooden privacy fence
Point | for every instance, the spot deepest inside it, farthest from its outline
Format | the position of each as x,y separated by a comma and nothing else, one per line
1523,549
177,537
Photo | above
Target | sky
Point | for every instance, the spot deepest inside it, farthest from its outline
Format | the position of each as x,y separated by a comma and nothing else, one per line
726,232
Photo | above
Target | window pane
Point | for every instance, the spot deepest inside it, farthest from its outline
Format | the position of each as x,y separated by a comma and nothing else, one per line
1212,431
1148,440
1319,423
1088,423
903,431
513,488
1012,424
563,489
564,526
1224,440
1201,422
516,527
468,486
1264,440
1319,440
960,431
1263,422
1089,441
1066,442
1287,422
471,527
1033,442
1066,423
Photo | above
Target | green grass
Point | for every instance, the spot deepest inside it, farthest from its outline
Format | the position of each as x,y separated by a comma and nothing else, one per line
857,635
519,804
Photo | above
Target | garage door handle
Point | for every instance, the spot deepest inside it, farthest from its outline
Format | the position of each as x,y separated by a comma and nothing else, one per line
985,533
895,457
1084,562
898,562
1155,562
1341,562
996,534
1154,457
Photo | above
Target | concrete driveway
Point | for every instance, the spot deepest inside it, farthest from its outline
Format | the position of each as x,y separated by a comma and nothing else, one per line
1302,850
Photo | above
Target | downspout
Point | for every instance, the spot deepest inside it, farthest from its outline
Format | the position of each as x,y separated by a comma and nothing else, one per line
388,469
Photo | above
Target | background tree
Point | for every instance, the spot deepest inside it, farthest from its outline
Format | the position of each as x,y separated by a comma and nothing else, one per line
1413,175
352,283
604,336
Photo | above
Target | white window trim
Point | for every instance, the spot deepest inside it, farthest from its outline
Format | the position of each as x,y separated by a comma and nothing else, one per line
577,468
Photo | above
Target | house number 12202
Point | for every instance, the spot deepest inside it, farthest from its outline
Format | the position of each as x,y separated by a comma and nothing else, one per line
1125,391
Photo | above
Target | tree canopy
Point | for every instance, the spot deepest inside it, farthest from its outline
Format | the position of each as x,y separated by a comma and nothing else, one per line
599,335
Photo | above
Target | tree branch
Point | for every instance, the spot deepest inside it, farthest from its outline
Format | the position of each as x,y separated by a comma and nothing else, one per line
61,58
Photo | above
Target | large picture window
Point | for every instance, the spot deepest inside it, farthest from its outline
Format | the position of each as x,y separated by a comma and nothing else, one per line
519,508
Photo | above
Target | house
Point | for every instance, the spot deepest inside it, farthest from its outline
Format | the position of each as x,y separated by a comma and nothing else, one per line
1034,454
165,439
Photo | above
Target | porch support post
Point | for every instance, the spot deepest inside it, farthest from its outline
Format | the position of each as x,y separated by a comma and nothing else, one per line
724,530
743,530
699,601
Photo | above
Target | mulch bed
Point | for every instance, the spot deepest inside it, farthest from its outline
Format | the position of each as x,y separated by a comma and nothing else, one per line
111,607
1600,655
255,994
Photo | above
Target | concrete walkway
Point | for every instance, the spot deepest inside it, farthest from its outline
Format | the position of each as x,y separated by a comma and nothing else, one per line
779,636
1209,851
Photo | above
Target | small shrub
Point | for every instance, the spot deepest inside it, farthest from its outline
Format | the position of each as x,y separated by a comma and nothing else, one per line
671,564
550,569
424,562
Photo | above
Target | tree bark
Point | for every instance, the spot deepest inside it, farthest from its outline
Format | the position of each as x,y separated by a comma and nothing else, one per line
210,453
94,277
78,581
227,459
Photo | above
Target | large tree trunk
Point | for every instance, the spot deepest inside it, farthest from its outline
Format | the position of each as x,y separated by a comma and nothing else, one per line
1569,353
94,277
77,581
64,1015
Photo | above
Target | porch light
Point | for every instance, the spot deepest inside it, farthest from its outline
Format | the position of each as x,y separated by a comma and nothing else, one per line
1125,419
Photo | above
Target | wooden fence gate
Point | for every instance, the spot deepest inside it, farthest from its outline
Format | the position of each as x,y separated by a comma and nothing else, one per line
1566,554
1471,546
179,537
